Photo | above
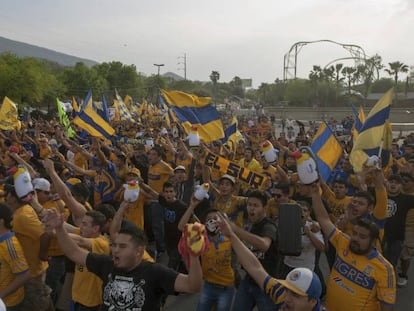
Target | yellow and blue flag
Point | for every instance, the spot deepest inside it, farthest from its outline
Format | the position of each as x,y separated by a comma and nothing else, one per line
64,119
232,135
371,140
327,150
102,109
124,114
193,110
89,120
359,121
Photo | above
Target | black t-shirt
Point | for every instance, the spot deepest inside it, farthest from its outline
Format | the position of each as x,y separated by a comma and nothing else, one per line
398,207
173,211
267,228
139,289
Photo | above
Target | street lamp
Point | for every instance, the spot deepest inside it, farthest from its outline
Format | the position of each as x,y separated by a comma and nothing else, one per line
159,65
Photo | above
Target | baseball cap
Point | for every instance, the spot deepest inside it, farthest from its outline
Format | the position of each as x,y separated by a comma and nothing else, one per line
179,167
135,171
303,282
41,184
229,177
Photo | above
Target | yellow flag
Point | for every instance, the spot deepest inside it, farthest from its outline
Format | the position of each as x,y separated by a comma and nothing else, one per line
9,116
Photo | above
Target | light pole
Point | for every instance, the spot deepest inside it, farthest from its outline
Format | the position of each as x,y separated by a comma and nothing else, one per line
158,65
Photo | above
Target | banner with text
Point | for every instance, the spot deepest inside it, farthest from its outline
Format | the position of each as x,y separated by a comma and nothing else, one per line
243,174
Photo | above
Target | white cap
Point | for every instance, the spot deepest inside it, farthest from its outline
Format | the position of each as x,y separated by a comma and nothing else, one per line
41,184
180,167
229,177
304,282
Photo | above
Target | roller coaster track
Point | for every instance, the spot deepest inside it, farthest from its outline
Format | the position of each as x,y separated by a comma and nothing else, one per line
290,59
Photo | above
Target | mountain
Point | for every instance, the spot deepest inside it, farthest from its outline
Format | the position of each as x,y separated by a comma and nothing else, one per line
173,76
21,49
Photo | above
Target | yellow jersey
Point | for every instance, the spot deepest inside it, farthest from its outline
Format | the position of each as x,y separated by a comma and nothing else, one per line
54,247
216,262
234,207
358,282
12,262
86,286
337,206
28,230
158,174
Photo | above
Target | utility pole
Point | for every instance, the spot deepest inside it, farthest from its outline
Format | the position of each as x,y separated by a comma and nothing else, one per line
184,63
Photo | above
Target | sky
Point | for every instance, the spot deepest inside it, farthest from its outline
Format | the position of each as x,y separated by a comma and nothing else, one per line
248,39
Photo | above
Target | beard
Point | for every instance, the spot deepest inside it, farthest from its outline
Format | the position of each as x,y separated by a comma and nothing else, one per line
356,249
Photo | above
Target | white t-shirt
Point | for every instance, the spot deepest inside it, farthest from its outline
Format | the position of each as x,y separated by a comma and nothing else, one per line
307,258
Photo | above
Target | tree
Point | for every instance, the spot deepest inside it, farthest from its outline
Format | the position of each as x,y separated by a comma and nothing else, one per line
236,87
348,73
395,68
124,78
27,80
298,92
80,78
214,77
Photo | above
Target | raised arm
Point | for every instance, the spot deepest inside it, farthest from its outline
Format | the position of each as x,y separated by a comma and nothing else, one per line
116,223
246,258
321,214
381,198
188,213
77,208
54,221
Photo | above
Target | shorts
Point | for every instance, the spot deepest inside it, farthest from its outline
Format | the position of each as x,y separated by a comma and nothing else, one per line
407,252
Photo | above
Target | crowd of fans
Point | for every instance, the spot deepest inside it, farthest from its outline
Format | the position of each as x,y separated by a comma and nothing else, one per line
69,240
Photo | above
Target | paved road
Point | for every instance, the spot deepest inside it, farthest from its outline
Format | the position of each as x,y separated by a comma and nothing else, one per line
405,296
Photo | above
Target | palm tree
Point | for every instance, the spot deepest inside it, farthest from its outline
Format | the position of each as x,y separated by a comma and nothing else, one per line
214,77
395,69
348,73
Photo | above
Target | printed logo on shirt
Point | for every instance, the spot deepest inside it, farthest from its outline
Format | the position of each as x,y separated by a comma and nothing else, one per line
355,276
123,294
368,270
392,208
341,284
169,215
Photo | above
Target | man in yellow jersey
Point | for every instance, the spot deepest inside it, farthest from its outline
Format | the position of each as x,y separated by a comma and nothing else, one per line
34,240
14,272
361,278
337,202
158,173
87,287
225,201
249,162
363,205
56,270
218,274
